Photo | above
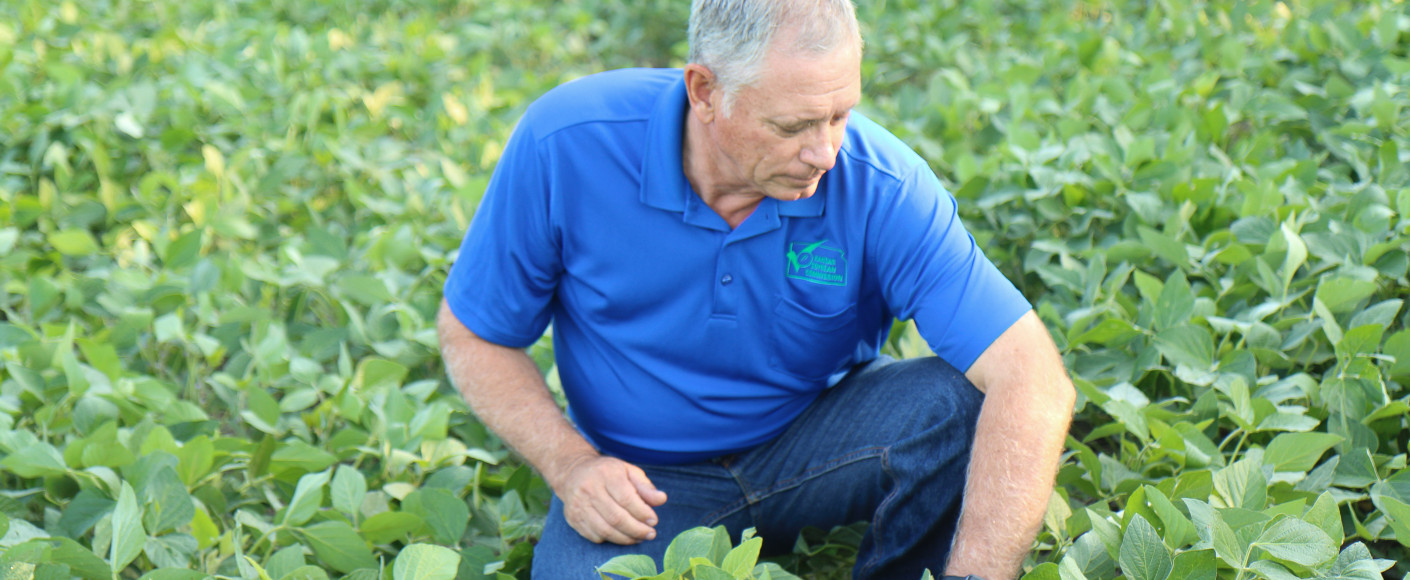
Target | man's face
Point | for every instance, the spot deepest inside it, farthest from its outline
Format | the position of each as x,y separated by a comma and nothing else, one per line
784,131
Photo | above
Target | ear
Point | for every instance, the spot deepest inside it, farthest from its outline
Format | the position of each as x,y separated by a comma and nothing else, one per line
704,95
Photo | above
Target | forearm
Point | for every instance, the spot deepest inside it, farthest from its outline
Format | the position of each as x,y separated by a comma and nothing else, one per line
1011,470
1017,447
506,391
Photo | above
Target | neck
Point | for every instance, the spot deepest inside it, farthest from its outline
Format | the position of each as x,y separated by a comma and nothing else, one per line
704,166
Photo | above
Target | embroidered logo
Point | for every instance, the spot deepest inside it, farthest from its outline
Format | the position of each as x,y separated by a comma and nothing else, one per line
817,262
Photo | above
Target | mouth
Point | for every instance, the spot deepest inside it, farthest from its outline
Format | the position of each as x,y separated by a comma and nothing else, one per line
804,181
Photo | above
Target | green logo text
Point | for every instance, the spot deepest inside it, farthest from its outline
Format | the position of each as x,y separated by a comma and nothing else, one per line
817,262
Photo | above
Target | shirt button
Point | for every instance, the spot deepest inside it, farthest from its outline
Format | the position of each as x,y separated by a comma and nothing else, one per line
726,279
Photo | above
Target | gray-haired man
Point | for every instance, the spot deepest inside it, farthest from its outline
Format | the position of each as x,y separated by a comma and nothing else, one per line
721,250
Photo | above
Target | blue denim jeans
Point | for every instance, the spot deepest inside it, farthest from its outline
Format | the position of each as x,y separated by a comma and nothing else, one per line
889,444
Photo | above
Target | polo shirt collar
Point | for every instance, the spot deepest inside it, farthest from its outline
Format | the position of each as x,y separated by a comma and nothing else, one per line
663,182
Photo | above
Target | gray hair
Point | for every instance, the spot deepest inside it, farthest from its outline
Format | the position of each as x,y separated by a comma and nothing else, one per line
732,37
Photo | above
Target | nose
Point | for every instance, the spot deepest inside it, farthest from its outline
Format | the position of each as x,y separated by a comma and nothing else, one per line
820,152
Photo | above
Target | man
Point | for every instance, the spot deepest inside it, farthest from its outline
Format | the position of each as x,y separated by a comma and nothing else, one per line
721,250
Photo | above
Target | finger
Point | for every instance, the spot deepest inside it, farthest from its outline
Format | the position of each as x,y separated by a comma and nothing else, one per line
646,489
580,524
603,528
631,502
623,509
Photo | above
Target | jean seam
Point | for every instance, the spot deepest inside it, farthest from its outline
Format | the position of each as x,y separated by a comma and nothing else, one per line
716,516
787,484
880,509
815,472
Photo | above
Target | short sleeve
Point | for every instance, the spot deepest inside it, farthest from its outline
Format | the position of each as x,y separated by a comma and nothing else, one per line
931,270
502,283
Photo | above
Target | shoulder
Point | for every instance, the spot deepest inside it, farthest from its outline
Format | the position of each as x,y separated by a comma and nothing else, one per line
870,147
615,96
880,158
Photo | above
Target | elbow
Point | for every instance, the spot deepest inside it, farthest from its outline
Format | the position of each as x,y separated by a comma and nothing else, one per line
449,330
1065,398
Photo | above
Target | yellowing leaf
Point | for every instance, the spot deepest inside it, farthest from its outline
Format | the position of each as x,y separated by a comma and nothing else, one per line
215,160
455,109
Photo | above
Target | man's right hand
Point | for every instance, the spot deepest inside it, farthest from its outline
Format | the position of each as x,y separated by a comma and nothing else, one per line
604,499
607,499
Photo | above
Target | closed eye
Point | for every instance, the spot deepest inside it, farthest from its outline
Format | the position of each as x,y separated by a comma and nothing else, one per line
790,130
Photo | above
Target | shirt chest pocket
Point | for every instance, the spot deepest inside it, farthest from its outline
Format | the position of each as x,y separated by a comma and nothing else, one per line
811,345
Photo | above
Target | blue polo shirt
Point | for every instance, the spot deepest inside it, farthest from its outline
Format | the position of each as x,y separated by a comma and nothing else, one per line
678,338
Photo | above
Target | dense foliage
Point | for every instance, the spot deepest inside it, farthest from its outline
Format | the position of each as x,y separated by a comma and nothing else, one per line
224,226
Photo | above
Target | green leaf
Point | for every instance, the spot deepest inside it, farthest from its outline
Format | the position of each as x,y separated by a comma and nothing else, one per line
175,574
38,460
1175,304
1177,531
425,562
284,561
128,535
1106,531
1361,340
82,512
101,356
1187,345
1194,565
1056,516
166,503
364,289
772,571
306,573
338,546
1129,417
185,250
129,125
307,497
1356,563
1325,515
1298,542
263,411
1398,346
446,514
1044,571
375,373
204,529
1298,452
298,455
387,527
1296,256
79,560
1241,485
708,572
1395,510
629,565
1342,294
171,550
74,242
1143,554
1272,570
349,487
693,543
740,560
8,238
195,459
1165,246
17,571
1227,544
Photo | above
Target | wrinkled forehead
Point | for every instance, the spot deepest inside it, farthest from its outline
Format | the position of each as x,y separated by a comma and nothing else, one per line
794,81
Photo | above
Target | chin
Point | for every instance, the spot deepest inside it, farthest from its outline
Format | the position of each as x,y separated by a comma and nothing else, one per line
793,195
